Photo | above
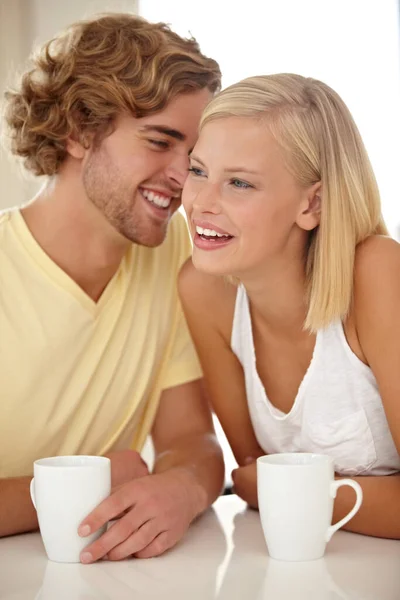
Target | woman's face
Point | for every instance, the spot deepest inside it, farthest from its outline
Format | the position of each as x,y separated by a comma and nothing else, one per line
244,207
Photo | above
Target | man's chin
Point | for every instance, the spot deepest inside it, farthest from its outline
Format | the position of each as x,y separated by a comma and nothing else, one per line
149,240
151,243
147,233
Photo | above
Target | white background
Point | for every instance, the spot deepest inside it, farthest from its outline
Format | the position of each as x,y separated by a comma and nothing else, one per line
352,45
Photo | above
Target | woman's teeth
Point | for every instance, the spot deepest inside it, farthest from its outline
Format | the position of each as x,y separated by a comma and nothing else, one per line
210,232
162,201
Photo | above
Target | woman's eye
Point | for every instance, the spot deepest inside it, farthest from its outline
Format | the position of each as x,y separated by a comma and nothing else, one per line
160,144
196,171
238,183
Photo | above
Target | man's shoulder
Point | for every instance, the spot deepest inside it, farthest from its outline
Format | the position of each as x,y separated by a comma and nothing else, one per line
6,216
178,232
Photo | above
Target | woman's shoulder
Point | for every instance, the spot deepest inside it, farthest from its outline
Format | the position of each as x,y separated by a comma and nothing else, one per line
209,297
377,256
376,278
374,247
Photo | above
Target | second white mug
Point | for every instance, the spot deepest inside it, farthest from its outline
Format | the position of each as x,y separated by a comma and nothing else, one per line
296,492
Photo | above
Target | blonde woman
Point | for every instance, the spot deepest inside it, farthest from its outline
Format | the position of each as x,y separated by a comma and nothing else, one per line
293,292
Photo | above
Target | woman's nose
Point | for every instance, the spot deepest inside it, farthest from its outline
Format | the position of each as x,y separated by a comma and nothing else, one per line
207,199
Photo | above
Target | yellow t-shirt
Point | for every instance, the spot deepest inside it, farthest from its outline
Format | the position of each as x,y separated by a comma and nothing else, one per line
79,377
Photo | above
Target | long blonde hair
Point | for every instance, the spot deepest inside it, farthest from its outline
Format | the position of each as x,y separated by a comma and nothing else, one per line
321,142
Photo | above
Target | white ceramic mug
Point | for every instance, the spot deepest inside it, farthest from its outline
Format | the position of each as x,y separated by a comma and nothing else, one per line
64,490
296,492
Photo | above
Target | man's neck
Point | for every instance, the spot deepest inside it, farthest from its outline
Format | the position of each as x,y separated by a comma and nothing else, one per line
76,236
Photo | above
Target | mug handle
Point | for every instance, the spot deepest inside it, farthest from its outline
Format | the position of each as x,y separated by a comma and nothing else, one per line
335,485
32,491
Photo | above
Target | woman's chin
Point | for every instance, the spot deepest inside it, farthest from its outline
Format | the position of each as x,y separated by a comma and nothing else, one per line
209,266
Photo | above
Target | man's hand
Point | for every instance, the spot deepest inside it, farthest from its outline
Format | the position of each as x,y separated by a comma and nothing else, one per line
158,510
245,483
125,466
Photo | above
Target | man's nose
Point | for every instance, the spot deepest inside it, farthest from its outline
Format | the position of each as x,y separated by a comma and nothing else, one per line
178,168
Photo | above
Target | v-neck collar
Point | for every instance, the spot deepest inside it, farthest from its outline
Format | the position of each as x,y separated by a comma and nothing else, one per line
275,412
57,275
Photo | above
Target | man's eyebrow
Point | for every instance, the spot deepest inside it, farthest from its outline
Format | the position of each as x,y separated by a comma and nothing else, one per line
174,133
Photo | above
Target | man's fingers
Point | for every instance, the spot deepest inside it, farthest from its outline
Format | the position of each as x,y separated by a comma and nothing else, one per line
116,535
160,544
107,510
140,539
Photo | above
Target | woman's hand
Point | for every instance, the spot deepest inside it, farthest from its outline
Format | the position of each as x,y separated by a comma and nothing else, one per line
245,482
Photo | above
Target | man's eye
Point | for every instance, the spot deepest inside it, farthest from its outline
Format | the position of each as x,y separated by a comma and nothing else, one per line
160,144
196,171
239,183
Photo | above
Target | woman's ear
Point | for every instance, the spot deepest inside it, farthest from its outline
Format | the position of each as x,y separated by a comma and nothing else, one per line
310,208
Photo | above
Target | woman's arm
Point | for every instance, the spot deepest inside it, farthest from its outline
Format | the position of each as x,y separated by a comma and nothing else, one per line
377,322
208,303
379,514
377,319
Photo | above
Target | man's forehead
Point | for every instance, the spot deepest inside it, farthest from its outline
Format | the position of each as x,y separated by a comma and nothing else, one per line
182,113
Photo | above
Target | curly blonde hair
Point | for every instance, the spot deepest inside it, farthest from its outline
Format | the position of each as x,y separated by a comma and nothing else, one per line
82,79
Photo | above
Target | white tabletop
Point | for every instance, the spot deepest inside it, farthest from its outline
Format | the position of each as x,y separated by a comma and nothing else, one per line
222,557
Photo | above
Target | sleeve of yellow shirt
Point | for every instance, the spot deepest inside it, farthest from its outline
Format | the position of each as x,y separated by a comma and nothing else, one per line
183,365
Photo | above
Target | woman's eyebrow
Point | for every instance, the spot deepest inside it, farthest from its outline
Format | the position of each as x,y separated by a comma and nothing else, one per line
230,169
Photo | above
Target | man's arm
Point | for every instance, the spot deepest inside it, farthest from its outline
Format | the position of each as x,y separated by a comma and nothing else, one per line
188,476
185,442
17,513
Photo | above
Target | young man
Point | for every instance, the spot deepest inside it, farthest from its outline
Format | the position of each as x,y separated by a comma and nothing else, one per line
94,349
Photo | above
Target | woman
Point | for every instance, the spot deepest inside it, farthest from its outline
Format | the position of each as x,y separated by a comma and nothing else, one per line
293,292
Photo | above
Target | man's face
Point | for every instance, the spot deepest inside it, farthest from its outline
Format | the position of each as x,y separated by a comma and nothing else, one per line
135,175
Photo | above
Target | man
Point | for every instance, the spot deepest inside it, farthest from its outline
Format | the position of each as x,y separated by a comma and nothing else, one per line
94,350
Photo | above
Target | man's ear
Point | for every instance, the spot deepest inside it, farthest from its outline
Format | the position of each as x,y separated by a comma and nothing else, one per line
75,148
310,208
79,142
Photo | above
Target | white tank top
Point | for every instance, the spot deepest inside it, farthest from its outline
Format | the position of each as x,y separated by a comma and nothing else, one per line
337,411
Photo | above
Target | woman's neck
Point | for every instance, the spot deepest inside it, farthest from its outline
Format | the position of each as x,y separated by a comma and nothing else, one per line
277,295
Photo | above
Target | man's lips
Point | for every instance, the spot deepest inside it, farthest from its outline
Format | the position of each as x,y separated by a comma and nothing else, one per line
161,199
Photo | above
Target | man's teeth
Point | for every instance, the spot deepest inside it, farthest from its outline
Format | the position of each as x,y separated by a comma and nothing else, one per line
210,232
162,201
